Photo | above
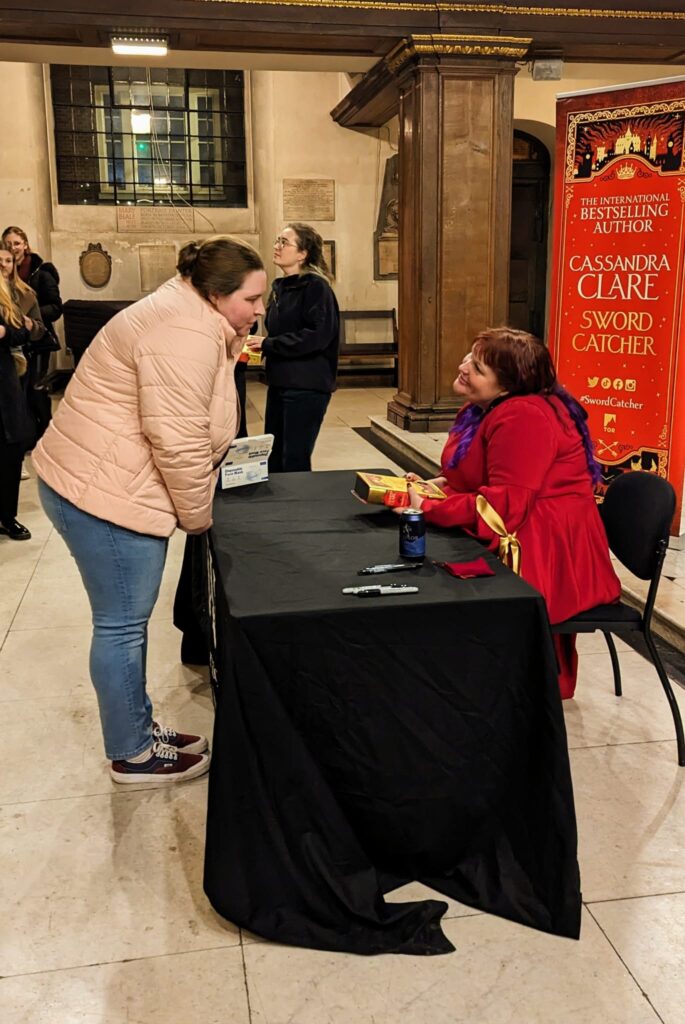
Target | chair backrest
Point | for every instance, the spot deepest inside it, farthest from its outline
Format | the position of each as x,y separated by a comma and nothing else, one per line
637,512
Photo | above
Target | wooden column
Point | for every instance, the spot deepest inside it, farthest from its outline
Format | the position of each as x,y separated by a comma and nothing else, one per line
456,132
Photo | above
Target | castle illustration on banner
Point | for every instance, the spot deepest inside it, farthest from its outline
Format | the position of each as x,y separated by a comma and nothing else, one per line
657,139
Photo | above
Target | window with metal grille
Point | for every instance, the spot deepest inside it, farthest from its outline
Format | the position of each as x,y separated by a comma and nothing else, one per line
149,136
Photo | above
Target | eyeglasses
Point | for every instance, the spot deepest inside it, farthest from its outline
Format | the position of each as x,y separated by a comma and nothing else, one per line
280,243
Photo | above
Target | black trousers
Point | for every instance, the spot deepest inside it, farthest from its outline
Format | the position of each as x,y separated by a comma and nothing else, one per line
241,388
294,416
11,456
37,398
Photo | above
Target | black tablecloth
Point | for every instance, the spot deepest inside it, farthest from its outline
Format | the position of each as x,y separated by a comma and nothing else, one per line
360,743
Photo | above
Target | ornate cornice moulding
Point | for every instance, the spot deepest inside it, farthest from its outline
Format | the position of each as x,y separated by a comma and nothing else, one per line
502,9
514,47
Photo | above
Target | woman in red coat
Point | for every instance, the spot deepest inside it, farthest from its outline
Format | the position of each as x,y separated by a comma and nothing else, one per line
519,474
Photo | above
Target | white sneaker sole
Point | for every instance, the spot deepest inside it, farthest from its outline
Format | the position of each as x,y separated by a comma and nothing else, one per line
145,779
201,747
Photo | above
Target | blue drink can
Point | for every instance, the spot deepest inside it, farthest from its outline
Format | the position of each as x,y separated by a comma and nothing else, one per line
412,535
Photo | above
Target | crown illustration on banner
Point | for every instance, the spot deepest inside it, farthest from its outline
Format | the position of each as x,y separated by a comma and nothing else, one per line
625,171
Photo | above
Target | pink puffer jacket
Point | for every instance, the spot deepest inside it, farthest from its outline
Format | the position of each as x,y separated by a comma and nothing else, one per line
148,414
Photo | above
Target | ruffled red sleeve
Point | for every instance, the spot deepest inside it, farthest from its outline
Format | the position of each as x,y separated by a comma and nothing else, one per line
520,450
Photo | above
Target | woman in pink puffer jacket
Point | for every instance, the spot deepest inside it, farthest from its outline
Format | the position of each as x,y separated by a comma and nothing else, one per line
130,454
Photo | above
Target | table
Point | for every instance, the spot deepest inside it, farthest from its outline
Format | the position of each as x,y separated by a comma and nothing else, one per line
361,743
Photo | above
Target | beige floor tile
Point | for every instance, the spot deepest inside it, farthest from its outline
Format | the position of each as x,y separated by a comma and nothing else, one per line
594,643
100,879
55,601
596,716
18,562
674,563
53,663
208,986
341,448
58,598
55,560
65,735
630,805
416,891
500,974
649,936
11,596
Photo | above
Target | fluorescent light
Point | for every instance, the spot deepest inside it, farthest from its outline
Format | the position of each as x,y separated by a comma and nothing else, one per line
140,123
130,46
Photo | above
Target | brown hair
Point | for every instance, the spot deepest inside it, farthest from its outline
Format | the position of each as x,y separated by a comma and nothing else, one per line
219,265
520,361
311,242
17,231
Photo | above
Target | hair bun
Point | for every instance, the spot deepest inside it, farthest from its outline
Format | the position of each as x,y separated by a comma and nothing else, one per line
187,258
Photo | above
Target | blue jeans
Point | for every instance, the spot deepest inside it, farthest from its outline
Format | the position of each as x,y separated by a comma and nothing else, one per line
121,571
294,416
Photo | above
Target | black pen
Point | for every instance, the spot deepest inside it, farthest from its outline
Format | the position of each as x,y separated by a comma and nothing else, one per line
380,591
372,570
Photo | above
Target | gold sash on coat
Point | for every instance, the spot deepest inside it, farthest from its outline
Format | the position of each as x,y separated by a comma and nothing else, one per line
509,544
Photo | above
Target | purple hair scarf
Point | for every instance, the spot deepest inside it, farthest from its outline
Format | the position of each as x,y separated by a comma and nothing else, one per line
470,418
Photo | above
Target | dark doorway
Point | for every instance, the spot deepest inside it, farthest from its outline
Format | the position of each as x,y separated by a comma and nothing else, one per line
529,217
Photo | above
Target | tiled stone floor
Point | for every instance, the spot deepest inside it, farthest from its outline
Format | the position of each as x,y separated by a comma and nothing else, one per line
102,915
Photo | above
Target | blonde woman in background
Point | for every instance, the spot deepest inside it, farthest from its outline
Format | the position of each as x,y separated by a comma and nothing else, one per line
27,302
42,276
16,431
23,295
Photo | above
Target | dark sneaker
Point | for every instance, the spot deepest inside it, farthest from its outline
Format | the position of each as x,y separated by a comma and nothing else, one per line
15,531
184,741
165,764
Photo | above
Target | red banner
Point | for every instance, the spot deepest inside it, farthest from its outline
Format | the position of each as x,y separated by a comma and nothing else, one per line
616,325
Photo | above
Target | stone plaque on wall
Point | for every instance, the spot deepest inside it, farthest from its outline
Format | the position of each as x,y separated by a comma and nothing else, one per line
155,220
329,255
157,265
95,264
386,235
387,258
308,199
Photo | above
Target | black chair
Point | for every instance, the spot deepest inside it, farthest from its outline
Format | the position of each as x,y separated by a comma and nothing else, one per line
637,512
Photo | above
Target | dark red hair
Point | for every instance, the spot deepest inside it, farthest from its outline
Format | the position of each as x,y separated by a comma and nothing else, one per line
520,361
523,366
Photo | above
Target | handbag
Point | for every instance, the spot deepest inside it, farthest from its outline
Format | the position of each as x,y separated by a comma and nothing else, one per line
20,362
509,551
48,343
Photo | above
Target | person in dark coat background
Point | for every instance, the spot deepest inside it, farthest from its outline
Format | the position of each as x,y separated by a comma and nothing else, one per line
301,348
44,279
16,427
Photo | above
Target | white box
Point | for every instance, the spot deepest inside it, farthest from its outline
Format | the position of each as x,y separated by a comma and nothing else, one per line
246,462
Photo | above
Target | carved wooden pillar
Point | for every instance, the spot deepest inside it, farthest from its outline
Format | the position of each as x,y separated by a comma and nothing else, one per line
456,132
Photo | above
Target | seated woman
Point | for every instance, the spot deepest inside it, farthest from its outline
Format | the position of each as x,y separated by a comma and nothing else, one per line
519,461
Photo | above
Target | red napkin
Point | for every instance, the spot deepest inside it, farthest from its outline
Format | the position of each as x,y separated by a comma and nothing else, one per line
467,570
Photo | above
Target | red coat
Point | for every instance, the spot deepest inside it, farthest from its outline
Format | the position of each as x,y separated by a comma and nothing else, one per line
528,460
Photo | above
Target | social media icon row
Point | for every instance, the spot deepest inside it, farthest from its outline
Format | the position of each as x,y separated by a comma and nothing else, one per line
617,383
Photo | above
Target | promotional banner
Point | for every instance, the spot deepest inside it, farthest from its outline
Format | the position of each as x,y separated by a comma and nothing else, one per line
616,325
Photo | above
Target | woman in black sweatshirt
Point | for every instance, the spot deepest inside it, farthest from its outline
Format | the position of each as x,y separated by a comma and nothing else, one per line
301,348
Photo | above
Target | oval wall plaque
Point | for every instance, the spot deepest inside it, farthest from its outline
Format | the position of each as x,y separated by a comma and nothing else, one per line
95,264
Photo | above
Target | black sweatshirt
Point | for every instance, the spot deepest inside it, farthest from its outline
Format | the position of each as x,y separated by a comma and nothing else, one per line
303,325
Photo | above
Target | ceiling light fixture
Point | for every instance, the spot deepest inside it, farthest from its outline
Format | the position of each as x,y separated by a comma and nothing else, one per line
139,46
